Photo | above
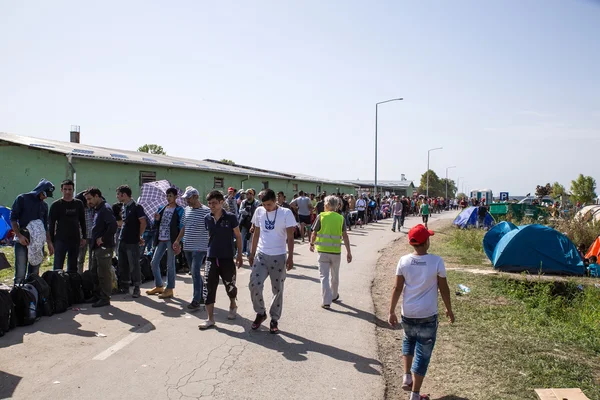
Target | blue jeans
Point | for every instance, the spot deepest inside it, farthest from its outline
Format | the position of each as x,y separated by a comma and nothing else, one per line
195,260
419,337
244,232
397,218
21,264
159,252
63,250
129,264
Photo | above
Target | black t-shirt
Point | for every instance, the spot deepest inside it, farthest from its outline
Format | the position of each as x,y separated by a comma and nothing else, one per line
320,207
66,220
220,235
130,231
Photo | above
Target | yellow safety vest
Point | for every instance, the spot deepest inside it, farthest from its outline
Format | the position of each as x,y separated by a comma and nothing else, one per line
329,237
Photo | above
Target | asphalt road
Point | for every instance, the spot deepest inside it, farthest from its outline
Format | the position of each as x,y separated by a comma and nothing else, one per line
150,348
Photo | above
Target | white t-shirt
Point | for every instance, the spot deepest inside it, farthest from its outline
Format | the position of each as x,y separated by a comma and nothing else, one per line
419,297
273,229
361,204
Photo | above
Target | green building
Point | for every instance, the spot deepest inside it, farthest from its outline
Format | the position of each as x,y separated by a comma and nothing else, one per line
402,187
25,160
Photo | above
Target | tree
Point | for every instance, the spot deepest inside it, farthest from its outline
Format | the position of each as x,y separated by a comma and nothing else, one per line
583,189
461,195
436,187
558,190
452,189
226,161
543,191
152,149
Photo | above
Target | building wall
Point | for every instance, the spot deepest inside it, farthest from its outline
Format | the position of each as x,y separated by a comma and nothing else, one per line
23,168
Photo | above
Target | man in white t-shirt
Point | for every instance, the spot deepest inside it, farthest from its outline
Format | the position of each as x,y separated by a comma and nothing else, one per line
419,275
273,231
361,206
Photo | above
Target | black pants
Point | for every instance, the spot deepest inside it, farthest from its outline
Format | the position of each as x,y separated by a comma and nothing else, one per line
69,250
216,268
425,218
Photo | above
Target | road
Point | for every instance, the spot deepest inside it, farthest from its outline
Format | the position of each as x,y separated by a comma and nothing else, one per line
151,348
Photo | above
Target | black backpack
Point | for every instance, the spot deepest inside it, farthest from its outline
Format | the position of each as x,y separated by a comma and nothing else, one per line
59,291
25,305
44,305
87,284
77,296
7,312
67,278
146,268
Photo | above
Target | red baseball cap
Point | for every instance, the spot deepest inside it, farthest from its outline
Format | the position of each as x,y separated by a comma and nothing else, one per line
231,189
419,235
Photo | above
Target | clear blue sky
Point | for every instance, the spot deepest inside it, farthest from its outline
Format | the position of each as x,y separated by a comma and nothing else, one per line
510,89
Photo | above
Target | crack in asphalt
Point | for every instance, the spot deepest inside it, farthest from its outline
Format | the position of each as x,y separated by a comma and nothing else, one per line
207,374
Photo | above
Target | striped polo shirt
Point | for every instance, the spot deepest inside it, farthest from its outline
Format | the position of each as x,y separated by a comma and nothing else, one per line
195,237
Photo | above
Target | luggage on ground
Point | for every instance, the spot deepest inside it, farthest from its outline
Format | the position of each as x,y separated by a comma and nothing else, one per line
75,280
146,267
7,312
87,284
44,304
59,291
24,300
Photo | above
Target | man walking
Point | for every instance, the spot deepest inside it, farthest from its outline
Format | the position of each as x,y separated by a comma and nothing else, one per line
247,209
361,206
281,201
130,242
67,227
195,242
303,206
29,216
424,210
169,221
87,246
232,201
222,228
328,232
103,244
397,209
273,229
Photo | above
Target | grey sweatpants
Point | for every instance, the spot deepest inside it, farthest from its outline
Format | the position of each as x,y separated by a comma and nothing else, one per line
273,267
329,264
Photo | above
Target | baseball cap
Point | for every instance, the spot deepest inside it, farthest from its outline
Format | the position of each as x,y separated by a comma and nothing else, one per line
189,192
250,191
231,189
419,235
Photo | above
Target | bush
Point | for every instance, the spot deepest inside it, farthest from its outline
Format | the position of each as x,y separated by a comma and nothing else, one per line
578,231
468,239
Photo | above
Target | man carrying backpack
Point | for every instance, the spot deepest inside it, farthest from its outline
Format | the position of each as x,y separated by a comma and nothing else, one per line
247,209
130,242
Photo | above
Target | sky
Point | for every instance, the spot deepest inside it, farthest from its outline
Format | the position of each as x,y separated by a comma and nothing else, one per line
509,89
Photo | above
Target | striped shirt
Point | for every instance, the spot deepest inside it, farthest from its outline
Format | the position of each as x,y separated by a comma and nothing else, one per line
195,237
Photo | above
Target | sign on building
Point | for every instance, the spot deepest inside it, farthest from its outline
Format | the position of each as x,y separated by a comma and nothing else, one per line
503,196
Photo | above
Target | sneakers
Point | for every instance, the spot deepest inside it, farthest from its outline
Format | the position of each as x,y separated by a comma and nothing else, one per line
136,292
260,318
166,294
232,314
194,305
326,306
156,290
101,303
206,325
92,299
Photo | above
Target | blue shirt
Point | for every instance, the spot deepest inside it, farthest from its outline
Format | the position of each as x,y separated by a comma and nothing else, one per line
220,235
593,269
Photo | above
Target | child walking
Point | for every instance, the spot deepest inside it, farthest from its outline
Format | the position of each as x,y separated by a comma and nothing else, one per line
419,276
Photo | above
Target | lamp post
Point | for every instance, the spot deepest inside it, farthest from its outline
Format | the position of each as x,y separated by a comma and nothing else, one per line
376,105
429,151
447,168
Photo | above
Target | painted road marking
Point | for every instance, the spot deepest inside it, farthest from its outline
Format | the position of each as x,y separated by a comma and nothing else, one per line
126,340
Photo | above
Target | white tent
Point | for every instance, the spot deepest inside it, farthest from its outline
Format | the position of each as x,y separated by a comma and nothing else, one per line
588,213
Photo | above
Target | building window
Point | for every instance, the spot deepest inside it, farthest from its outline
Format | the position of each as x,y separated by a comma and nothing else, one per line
295,187
147,177
265,184
218,184
318,190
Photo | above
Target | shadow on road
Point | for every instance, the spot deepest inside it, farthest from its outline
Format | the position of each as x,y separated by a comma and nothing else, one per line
303,278
306,266
451,397
360,314
8,384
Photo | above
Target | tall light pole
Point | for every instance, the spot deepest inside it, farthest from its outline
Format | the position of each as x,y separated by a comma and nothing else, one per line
376,105
429,151
458,182
447,168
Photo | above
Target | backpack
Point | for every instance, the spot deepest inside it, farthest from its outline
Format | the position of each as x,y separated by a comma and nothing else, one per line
76,282
87,284
7,312
44,304
59,291
24,299
67,278
146,268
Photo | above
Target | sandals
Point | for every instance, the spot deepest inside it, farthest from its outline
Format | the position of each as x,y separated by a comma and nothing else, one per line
260,318
273,328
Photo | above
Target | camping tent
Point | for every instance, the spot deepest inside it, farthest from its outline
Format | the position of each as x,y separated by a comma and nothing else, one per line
4,222
468,218
594,249
535,248
493,236
588,213
154,196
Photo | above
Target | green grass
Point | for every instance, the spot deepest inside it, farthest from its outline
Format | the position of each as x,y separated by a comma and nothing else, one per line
514,336
460,246
7,275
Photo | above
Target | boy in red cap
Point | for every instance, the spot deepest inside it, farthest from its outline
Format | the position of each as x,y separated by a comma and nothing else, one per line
419,275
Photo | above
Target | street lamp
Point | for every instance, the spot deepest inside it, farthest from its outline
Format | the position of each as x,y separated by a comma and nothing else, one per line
376,105
447,168
429,151
458,182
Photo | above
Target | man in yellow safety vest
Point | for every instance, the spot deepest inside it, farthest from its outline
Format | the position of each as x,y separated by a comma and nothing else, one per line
327,233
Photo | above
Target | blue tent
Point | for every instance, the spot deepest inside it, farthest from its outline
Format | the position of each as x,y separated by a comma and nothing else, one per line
493,236
4,221
537,248
468,218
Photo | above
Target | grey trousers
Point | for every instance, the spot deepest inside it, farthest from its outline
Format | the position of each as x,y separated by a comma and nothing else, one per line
101,272
273,267
329,264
